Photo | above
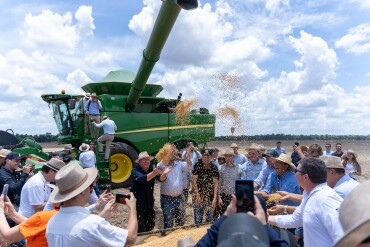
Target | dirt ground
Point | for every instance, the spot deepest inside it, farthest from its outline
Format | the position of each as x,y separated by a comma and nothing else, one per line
120,217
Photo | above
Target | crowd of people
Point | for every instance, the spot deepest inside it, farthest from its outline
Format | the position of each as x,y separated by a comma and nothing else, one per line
312,186
55,206
319,201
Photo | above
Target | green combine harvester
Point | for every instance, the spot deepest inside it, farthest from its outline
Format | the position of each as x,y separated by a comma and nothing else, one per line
144,121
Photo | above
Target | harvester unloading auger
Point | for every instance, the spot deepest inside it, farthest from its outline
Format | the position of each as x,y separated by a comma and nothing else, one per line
145,122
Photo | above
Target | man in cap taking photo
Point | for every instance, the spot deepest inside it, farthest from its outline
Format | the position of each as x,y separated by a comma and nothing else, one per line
73,225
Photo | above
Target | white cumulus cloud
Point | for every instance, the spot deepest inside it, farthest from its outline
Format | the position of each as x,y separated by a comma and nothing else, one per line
357,41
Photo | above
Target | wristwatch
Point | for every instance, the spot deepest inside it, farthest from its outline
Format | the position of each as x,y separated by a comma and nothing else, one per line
285,209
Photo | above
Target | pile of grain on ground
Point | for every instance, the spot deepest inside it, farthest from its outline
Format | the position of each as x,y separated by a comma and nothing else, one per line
171,239
183,109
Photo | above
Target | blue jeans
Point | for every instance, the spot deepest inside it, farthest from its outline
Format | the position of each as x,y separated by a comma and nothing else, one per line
173,208
200,210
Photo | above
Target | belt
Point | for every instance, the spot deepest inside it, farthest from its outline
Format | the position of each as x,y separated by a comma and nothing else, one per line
173,197
94,114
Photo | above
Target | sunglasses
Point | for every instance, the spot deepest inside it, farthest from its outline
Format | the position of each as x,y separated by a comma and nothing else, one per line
300,171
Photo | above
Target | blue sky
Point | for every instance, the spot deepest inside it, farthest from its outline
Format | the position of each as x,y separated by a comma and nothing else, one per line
303,66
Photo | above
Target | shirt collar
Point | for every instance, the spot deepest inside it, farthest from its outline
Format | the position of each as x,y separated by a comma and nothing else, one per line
317,188
73,209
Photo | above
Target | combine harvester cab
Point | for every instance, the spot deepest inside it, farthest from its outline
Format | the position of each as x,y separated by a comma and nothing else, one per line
144,121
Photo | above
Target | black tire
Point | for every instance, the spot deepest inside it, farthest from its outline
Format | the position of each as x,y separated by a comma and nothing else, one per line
123,148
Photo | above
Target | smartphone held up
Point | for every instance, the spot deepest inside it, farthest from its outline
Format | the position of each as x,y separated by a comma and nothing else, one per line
244,192
5,191
121,198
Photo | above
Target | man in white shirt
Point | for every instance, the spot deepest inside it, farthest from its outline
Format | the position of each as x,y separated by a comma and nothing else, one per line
87,157
74,225
35,192
342,183
172,184
318,212
109,128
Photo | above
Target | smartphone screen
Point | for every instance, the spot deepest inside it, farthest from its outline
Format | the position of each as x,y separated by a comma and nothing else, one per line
121,198
244,192
5,190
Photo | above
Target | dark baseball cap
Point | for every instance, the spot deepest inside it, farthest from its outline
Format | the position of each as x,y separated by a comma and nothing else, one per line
242,229
12,155
272,152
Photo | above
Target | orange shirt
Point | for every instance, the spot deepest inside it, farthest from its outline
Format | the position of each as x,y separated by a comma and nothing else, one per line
34,228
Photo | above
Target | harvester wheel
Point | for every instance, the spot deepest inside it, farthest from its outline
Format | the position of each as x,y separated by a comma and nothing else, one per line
122,161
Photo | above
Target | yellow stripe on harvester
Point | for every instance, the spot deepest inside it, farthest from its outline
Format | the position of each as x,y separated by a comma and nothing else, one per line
167,128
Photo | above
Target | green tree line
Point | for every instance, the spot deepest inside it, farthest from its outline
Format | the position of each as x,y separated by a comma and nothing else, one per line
291,137
47,137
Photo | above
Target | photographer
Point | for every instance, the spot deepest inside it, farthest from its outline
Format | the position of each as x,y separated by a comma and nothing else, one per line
245,228
8,176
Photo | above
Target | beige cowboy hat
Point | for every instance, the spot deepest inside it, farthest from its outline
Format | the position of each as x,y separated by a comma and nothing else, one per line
71,180
68,147
93,95
354,216
143,155
4,152
88,95
55,164
287,160
105,117
234,145
352,152
262,148
253,146
332,162
228,151
84,147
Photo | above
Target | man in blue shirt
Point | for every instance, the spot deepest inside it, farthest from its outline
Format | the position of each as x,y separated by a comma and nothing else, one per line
92,108
252,168
239,159
279,149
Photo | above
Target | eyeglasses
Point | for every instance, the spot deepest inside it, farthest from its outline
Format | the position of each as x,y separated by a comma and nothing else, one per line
301,172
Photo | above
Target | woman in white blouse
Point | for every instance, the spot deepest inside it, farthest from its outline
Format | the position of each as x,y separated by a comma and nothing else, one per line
352,167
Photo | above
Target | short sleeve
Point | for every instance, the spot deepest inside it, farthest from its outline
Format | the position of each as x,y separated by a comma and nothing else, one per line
109,235
30,227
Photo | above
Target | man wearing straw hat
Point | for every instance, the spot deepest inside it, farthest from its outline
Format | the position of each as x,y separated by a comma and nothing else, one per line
255,164
318,211
73,225
143,178
238,158
228,173
87,157
337,179
354,216
35,192
67,153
